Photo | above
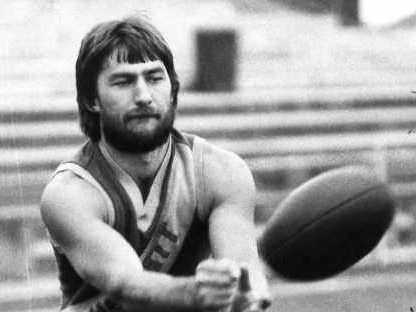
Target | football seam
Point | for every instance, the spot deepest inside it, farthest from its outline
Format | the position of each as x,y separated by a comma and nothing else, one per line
312,222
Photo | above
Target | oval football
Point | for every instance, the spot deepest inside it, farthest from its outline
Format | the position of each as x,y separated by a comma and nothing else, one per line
327,224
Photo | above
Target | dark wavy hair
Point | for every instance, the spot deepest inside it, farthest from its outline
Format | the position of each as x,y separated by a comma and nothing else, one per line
132,39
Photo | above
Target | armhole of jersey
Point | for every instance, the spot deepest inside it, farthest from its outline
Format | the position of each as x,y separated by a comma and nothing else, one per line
85,175
203,209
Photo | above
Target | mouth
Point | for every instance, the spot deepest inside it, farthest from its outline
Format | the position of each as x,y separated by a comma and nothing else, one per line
141,116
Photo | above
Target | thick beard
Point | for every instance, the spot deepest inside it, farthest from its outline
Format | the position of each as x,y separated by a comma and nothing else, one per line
128,141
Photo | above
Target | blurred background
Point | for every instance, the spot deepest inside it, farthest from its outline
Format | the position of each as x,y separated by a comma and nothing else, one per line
296,87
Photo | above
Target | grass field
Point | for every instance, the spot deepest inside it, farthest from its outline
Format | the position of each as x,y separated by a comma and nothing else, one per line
376,293
382,291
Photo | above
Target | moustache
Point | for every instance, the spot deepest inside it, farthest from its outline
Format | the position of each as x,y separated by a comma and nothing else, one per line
142,113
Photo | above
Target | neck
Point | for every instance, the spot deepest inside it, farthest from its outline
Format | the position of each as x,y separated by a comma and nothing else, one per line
141,166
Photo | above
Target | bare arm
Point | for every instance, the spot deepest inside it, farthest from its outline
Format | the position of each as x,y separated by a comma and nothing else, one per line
73,213
231,223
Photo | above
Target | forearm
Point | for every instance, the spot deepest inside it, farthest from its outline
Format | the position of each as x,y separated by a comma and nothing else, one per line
233,237
156,292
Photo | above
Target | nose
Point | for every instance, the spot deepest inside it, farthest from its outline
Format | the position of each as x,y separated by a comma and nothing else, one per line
142,95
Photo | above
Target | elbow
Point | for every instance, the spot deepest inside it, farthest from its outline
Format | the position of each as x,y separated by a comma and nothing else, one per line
116,289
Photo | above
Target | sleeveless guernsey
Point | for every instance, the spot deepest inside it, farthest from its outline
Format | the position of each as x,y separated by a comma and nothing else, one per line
177,237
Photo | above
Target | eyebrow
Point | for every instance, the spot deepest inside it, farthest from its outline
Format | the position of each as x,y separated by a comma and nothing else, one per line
155,70
122,75
127,74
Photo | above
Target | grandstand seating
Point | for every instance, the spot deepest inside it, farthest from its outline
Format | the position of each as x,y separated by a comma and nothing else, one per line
283,145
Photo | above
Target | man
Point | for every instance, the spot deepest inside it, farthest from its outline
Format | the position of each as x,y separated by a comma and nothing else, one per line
144,217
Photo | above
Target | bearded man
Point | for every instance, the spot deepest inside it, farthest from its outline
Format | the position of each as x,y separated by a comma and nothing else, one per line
144,217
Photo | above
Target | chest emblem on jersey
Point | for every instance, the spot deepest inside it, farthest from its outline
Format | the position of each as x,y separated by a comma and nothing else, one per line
166,242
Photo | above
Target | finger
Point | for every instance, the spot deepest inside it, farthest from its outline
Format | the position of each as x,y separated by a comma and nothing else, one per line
227,308
220,265
217,300
214,295
216,280
259,301
230,266
218,303
224,266
260,305
244,281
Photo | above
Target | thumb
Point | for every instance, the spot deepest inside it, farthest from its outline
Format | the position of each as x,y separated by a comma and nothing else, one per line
244,282
244,286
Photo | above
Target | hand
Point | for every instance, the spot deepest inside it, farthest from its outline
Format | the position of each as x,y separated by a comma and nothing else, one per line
216,284
253,293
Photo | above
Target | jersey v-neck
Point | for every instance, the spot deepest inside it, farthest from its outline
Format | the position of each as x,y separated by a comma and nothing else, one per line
145,210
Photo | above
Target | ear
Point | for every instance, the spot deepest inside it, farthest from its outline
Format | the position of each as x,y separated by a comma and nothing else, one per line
94,106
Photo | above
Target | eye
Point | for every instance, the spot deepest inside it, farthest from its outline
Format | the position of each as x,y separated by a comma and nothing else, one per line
122,82
156,77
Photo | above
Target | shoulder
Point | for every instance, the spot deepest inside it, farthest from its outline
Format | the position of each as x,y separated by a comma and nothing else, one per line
222,160
226,175
69,195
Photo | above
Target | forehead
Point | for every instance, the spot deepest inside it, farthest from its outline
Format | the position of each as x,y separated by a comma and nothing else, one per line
112,66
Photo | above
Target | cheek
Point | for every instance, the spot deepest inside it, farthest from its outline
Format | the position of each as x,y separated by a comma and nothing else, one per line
113,101
111,107
164,96
112,119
